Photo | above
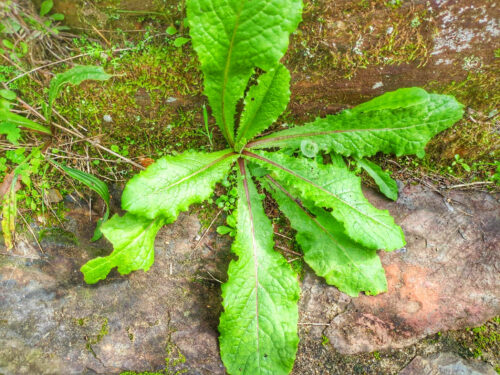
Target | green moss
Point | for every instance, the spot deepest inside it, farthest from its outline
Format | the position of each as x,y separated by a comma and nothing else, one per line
89,323
486,337
173,360
347,37
57,235
155,103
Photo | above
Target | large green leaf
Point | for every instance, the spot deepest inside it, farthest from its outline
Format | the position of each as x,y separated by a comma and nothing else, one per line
21,121
133,240
330,253
334,187
263,104
173,183
232,37
74,76
258,328
386,183
399,122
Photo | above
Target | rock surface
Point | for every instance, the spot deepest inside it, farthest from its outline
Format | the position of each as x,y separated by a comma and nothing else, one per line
52,323
432,41
446,364
445,278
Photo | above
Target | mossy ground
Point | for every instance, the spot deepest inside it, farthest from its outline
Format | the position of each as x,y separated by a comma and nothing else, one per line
153,107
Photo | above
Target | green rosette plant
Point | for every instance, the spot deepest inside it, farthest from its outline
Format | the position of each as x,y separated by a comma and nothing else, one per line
338,230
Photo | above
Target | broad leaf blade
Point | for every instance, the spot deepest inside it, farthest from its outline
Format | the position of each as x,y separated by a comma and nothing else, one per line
11,131
386,184
96,185
399,122
74,76
173,183
231,38
264,103
328,251
258,328
133,242
23,122
336,188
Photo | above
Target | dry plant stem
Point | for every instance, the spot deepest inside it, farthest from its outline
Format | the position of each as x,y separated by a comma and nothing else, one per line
214,278
469,184
31,231
289,251
60,62
102,36
205,233
282,235
92,142
76,133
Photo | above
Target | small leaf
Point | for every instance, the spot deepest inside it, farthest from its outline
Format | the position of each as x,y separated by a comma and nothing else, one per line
46,7
12,132
180,41
264,103
7,116
328,251
258,328
308,148
7,43
222,229
173,183
96,185
8,94
386,184
74,76
133,242
57,16
171,30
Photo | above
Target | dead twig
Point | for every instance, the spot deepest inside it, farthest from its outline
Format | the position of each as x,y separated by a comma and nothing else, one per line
289,251
206,231
282,235
31,231
469,184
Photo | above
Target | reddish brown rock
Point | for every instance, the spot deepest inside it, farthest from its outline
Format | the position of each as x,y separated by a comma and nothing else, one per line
445,278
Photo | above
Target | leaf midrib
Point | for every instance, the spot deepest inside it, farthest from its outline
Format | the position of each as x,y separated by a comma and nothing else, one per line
344,251
250,121
241,164
229,136
198,171
261,141
255,156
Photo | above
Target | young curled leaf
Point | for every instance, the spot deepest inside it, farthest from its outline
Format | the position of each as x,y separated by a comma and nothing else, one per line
309,148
